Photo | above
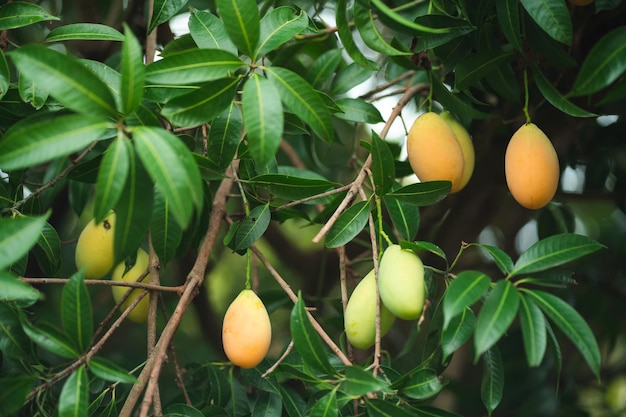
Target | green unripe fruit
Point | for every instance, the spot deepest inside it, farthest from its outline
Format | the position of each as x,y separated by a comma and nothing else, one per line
401,282
360,314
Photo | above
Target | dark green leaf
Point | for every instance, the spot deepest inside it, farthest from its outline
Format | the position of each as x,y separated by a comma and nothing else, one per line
448,27
495,316
164,10
219,388
553,343
109,371
133,72
554,251
165,232
84,31
422,193
509,21
267,404
403,21
48,250
51,339
74,397
224,136
31,92
292,401
552,16
533,325
29,144
66,79
349,77
324,68
279,26
242,22
425,411
20,13
383,408
349,224
326,406
571,324
184,410
549,278
500,257
477,66
458,332
5,75
405,217
208,31
467,288
112,176
358,110
492,383
293,186
383,168
15,290
556,99
251,228
358,382
364,22
345,34
427,246
13,392
192,66
423,384
18,235
454,103
76,312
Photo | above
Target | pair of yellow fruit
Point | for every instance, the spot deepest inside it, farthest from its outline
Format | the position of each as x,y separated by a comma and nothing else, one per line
95,256
439,148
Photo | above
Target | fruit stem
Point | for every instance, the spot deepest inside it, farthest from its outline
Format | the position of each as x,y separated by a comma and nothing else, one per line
430,91
381,233
456,258
526,97
248,268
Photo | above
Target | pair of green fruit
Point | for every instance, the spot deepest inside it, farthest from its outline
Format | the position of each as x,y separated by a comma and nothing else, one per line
402,294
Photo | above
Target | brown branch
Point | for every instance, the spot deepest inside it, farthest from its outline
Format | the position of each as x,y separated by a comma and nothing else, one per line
153,266
146,286
386,85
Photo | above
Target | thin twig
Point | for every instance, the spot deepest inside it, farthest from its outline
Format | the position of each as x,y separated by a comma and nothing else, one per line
155,279
106,282
279,361
386,85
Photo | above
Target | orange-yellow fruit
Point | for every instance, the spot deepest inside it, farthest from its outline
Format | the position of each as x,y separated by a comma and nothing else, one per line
467,147
139,314
434,152
581,2
401,282
94,249
246,331
531,167
360,314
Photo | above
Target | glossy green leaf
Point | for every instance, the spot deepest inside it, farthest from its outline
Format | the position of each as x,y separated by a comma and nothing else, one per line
556,99
51,339
349,224
358,382
292,401
30,92
326,406
262,117
220,391
171,167
405,217
21,13
15,290
133,72
293,186
358,110
496,315
423,384
201,105
454,103
192,66
552,16
279,26
18,235
5,75
112,176
242,22
422,193
109,371
164,10
426,246
304,101
267,404
467,288
533,325
382,408
448,28
554,251
184,410
33,142
74,397
324,68
251,228
399,19
84,31
13,392
165,232
345,35
224,136
605,63
208,31
306,340
47,251
502,260
383,168
458,331
76,312
550,278
571,324
349,77
66,79
509,21
477,66
365,24
492,383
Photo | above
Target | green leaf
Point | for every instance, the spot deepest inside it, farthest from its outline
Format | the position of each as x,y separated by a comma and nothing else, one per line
501,258
454,103
74,397
165,233
553,343
171,167
164,10
184,410
242,22
263,118
85,32
18,235
403,21
32,93
533,325
554,251
133,72
48,250
405,217
224,136
492,383
605,63
251,228
349,224
425,411
509,21
51,339
193,66
358,110
467,288
208,31
112,176
477,66
552,16
30,143
15,290
422,193
458,332
292,401
293,186
279,26
423,384
383,168
383,408
5,75
201,105
556,99
345,35
495,316
13,393
306,340
364,22
571,324
66,79
267,404
427,246
76,312
300,97
326,406
358,382
450,27
109,371
348,77
324,68
18,14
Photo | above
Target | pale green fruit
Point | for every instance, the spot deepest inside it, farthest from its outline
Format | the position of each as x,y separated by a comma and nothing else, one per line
401,282
94,249
139,314
360,314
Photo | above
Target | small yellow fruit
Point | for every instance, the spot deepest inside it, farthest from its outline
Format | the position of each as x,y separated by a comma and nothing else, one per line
531,167
434,152
139,314
401,282
360,314
246,331
467,147
94,249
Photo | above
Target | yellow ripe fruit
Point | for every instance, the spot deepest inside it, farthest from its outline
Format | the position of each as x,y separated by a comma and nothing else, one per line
581,2
467,147
94,249
531,167
360,314
401,282
139,314
246,331
434,152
